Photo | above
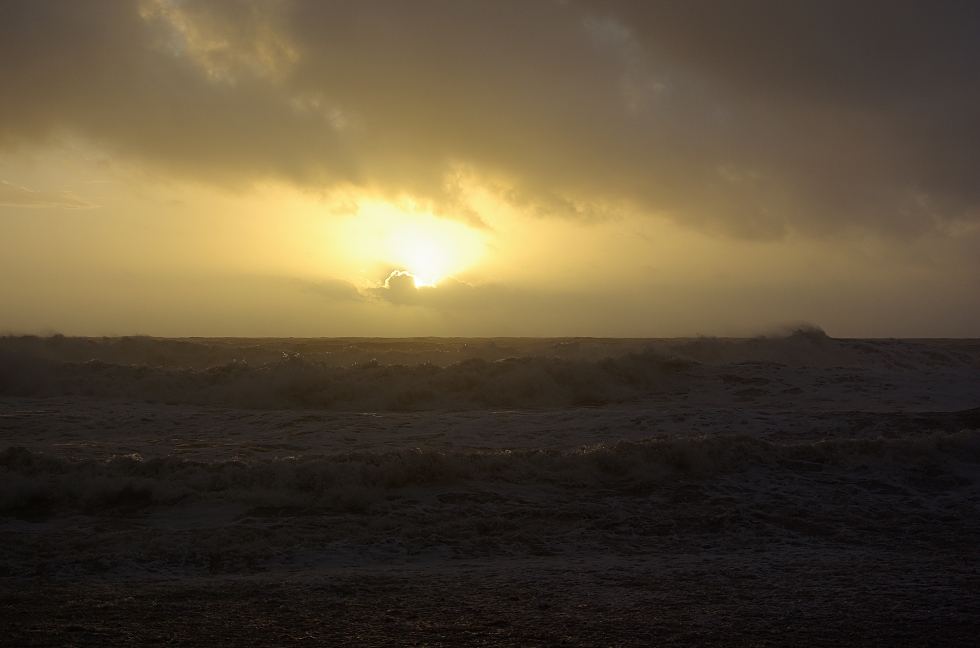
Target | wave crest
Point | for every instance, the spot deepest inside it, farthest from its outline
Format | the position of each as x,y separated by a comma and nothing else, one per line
353,481
297,383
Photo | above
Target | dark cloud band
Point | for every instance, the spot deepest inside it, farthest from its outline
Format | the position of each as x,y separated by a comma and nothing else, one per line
752,118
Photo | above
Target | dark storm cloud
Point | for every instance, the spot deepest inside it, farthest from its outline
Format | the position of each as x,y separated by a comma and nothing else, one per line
751,117
870,105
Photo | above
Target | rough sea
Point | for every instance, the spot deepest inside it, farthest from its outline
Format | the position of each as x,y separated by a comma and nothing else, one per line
792,489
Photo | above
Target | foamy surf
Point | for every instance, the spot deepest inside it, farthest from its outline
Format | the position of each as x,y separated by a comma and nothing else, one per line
429,374
37,482
566,486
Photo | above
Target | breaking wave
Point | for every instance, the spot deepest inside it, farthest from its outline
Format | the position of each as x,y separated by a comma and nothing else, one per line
428,373
32,481
294,382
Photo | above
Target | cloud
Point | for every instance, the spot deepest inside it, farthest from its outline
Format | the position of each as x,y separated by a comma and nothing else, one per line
447,294
334,290
253,43
751,118
15,196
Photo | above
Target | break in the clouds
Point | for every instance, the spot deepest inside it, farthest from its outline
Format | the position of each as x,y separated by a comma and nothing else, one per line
448,294
402,288
12,195
753,118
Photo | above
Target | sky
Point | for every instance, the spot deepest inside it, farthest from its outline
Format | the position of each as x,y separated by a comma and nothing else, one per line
498,168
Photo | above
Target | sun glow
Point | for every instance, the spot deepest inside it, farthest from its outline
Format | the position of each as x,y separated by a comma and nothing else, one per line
381,237
428,255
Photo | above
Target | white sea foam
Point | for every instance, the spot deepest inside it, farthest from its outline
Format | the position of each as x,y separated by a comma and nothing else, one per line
37,481
368,450
295,382
133,516
379,375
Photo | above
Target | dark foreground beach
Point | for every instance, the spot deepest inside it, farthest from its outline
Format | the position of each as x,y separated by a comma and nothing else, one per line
794,490
810,596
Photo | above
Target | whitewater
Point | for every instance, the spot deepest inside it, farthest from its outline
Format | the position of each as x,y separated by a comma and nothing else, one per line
790,488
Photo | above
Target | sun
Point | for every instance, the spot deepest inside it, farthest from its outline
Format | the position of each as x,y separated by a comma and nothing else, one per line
429,248
429,252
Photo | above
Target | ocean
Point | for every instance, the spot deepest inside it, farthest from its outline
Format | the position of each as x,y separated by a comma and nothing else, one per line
787,489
